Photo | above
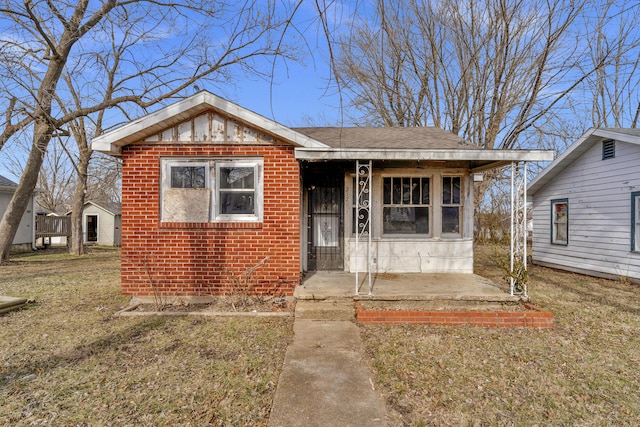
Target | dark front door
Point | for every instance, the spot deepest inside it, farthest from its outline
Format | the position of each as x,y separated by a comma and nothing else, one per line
92,228
325,224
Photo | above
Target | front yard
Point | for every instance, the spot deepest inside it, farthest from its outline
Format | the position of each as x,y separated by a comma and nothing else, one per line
583,372
65,360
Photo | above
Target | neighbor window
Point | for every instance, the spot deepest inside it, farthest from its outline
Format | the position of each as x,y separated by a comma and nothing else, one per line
608,149
451,204
406,205
635,221
560,221
211,190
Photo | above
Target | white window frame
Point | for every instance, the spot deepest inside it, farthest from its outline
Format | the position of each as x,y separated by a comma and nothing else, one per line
257,191
168,164
555,221
212,170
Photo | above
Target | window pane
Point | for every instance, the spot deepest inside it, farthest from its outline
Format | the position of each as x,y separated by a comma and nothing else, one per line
406,191
455,192
422,220
425,191
451,219
560,224
387,191
188,176
396,185
399,220
236,203
406,220
446,190
241,178
415,191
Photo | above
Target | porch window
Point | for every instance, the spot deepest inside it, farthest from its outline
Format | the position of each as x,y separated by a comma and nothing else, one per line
560,222
211,190
406,205
635,221
451,204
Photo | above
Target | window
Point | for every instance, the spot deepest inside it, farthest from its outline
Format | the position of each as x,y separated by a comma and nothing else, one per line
236,190
211,190
560,222
184,176
406,205
608,149
451,204
635,221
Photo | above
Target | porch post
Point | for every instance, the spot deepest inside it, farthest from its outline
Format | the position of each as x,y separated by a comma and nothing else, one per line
363,218
518,249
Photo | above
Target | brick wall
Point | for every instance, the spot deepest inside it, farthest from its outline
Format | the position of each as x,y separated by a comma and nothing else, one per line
533,317
200,259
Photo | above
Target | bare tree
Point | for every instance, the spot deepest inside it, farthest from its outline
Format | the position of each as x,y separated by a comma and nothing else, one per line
167,48
487,70
614,89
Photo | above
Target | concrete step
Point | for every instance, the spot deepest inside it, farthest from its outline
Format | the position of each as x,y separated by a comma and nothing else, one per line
331,309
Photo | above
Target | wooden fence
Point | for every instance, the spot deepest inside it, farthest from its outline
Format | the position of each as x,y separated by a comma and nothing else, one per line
53,226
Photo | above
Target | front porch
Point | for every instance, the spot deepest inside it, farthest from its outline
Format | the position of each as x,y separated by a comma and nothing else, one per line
452,288
429,299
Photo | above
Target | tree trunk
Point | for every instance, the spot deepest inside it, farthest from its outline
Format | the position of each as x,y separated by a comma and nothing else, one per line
20,200
77,235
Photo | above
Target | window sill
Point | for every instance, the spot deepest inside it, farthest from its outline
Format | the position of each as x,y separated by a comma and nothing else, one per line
211,225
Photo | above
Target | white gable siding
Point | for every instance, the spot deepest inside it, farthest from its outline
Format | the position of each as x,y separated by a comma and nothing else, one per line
599,196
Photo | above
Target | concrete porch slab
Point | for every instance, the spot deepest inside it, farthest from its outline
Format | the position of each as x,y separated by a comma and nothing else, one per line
402,287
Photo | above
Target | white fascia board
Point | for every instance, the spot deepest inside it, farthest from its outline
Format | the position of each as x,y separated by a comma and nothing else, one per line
575,150
619,136
112,142
417,154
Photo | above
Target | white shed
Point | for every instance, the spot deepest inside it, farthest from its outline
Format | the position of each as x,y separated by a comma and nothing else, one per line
586,206
102,223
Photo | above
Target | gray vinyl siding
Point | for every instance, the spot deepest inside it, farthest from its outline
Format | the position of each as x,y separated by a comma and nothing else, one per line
599,197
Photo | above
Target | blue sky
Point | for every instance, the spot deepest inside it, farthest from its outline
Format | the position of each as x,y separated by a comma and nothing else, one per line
299,93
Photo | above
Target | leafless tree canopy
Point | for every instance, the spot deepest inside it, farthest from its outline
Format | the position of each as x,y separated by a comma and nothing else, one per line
492,71
65,65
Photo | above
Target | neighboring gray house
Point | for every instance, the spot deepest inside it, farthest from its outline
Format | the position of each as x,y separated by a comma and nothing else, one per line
25,236
586,206
102,223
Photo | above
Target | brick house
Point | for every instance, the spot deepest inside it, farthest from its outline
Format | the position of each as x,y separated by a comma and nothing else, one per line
213,193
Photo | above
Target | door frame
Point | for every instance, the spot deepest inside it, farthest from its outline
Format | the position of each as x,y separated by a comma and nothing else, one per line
97,228
312,178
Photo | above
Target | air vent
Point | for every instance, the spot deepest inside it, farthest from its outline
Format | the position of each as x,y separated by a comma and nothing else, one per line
608,149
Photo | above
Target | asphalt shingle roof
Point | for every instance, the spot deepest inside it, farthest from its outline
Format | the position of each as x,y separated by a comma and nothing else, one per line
386,137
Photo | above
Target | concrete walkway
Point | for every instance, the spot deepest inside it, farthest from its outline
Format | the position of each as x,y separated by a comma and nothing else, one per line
326,380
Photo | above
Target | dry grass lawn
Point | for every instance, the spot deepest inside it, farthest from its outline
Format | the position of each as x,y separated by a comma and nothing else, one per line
584,372
65,361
